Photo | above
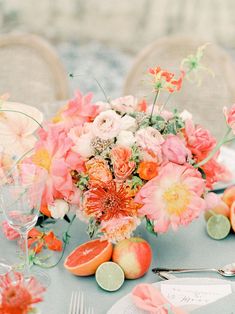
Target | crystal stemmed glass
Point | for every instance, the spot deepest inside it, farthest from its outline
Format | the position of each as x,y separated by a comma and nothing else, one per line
21,191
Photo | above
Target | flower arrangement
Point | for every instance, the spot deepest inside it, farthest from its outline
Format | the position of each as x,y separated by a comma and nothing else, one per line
118,162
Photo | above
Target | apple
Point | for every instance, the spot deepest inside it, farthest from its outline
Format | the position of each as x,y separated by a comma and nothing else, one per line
134,255
229,196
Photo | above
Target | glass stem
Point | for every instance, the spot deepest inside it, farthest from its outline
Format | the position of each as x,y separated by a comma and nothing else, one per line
24,238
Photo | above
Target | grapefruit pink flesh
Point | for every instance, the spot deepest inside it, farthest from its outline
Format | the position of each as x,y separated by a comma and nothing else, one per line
86,258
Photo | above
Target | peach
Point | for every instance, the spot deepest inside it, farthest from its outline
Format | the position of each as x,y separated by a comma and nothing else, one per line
229,196
215,205
232,216
134,255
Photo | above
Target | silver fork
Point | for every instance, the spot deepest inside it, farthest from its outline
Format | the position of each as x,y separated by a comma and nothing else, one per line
77,304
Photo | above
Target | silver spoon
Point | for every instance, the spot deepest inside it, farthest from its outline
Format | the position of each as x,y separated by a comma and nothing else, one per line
226,271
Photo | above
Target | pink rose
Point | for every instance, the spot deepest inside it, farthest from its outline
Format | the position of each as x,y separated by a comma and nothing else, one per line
150,140
106,125
125,104
230,117
174,150
9,232
122,164
199,140
82,136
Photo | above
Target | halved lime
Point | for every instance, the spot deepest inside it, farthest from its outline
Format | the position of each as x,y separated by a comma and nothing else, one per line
218,227
109,276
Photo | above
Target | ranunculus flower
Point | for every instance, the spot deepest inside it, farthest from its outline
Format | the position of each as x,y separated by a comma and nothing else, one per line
125,104
172,198
147,170
125,138
9,232
82,137
230,117
98,171
106,125
199,140
58,209
128,123
174,150
122,164
150,140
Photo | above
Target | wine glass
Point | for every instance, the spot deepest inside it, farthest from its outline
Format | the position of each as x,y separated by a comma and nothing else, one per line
21,191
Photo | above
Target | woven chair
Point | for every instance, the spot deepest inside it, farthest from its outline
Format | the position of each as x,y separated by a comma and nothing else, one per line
204,102
31,72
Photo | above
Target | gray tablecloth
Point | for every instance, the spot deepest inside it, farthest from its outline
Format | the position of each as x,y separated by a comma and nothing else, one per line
189,247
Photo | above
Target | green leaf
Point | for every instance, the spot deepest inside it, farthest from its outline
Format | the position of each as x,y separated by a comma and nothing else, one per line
135,154
92,228
136,182
150,226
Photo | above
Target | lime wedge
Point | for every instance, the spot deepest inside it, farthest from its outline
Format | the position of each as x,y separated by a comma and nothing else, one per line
218,227
109,276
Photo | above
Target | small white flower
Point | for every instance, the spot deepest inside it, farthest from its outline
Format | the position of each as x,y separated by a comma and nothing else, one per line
186,115
125,138
59,209
128,123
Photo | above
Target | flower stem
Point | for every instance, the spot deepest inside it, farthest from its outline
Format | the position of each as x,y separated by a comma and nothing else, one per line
216,148
154,103
167,100
25,114
66,240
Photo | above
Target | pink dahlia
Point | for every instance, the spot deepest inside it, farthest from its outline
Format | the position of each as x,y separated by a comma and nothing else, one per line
173,198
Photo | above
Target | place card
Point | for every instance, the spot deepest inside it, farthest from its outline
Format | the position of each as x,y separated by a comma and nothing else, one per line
180,295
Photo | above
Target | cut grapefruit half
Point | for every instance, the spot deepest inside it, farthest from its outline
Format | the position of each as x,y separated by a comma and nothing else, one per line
86,258
232,216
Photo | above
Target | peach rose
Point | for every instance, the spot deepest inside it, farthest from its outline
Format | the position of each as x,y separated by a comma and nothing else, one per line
122,164
98,171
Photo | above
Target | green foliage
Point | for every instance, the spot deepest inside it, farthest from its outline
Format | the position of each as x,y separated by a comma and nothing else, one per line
135,154
93,228
150,226
82,183
135,182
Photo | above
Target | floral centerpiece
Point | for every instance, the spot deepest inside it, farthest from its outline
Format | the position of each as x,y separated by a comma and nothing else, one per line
119,162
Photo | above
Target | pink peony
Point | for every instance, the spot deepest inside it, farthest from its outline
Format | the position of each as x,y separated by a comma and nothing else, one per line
174,150
9,232
150,140
125,104
106,125
78,111
199,140
82,137
54,153
230,117
173,198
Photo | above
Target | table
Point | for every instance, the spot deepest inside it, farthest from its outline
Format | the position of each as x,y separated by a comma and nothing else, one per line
189,247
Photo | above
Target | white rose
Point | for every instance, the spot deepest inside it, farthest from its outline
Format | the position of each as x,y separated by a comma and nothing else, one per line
58,209
102,106
125,138
82,136
125,104
186,115
106,125
128,123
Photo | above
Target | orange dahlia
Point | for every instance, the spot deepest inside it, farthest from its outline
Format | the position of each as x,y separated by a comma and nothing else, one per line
18,295
109,201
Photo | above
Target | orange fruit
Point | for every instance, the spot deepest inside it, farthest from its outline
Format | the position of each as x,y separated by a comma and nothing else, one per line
86,258
232,216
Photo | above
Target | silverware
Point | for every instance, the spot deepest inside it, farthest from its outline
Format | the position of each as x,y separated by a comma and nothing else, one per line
165,275
77,304
226,271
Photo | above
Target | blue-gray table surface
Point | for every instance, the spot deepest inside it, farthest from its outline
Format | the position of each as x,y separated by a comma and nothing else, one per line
189,247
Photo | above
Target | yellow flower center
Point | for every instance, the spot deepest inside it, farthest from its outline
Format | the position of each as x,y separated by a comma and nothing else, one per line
42,158
177,198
